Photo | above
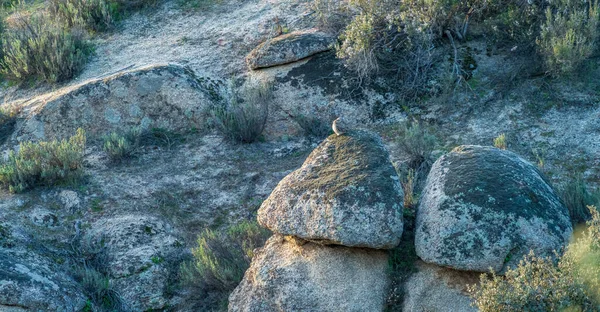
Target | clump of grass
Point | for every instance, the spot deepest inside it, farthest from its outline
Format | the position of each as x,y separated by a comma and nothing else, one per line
312,126
37,48
408,186
542,284
576,195
500,141
418,142
120,147
90,269
242,116
44,163
220,260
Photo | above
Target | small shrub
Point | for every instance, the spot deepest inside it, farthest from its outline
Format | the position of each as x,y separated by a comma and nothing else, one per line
577,197
120,147
220,260
569,34
542,284
44,163
95,15
500,141
418,142
38,48
243,117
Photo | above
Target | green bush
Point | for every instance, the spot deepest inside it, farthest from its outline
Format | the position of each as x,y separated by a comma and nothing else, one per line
44,163
96,15
220,259
569,34
243,117
541,284
38,48
119,147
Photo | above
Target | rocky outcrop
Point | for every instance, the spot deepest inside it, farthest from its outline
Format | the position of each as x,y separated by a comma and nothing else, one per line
289,48
159,96
293,275
346,192
30,282
485,208
433,288
138,247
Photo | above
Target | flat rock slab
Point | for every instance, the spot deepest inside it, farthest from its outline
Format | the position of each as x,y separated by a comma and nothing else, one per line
347,193
289,48
484,208
159,96
291,275
33,283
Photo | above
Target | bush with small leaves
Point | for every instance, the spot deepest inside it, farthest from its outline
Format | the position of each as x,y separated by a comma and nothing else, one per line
220,260
39,48
569,34
44,163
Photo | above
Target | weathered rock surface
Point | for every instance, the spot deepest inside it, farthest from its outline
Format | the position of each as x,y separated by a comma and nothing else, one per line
33,283
485,208
289,48
347,192
159,96
438,289
138,247
288,274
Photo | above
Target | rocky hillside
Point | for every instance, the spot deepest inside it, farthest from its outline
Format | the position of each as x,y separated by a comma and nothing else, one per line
161,208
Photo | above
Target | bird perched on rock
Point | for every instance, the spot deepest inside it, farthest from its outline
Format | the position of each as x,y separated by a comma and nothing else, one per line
339,126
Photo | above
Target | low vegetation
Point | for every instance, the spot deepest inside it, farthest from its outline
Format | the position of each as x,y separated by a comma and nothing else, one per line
500,141
242,114
397,39
220,260
418,142
121,147
51,42
577,196
44,163
542,284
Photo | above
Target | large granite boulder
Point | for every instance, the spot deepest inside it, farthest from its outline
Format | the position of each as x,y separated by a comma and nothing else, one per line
289,274
434,288
31,282
289,48
484,208
347,192
159,96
